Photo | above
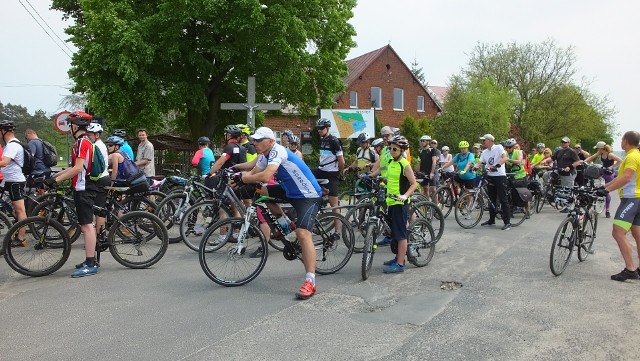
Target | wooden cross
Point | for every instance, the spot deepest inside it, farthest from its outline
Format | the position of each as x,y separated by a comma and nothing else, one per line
250,106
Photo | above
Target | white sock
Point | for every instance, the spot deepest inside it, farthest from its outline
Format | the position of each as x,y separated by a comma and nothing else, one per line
312,277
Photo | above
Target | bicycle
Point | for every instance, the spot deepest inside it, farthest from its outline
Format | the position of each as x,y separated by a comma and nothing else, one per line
471,205
418,240
447,192
235,260
136,239
577,230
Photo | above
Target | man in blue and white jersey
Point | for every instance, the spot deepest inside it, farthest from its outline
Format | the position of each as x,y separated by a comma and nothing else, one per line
297,185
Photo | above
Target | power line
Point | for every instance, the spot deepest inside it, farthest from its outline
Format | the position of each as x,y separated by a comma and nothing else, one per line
45,30
52,31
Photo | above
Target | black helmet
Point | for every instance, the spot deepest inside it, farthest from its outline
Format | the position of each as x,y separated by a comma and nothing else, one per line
363,137
203,141
120,133
323,123
7,125
233,130
79,118
400,141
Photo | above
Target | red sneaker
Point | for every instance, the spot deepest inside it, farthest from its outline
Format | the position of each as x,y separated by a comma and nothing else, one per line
306,291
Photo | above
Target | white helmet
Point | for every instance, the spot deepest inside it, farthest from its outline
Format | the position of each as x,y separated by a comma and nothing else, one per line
425,137
445,149
378,142
94,128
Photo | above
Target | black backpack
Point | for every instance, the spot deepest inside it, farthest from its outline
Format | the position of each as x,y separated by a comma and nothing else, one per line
29,163
49,154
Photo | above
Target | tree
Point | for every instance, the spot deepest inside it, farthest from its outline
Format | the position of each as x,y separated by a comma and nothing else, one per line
534,73
416,70
473,108
140,60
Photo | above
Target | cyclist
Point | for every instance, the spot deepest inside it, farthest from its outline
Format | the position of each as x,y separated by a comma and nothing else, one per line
515,162
495,157
123,169
203,159
285,138
14,180
429,158
627,217
537,158
232,154
365,156
401,183
464,162
609,161
297,185
377,145
94,132
445,157
125,147
331,164
244,141
84,190
294,141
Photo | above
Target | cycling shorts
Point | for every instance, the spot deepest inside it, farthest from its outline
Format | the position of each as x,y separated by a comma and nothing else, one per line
628,213
306,208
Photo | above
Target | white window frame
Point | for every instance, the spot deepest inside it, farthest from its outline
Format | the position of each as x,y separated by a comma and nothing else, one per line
278,136
420,103
401,99
378,106
353,105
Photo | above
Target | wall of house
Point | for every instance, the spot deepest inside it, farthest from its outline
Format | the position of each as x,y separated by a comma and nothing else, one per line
295,123
396,75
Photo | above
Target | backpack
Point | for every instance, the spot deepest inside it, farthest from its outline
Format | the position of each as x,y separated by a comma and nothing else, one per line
98,164
527,164
29,163
49,154
130,171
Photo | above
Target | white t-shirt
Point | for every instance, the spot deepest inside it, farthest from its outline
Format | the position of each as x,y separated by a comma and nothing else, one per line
103,149
445,159
12,172
491,157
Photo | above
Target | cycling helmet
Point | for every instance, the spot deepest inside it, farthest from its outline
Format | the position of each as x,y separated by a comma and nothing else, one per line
79,118
232,130
395,131
288,133
203,141
445,149
509,142
7,125
425,137
540,145
293,139
363,137
115,140
463,144
244,128
120,133
94,128
400,141
323,123
377,143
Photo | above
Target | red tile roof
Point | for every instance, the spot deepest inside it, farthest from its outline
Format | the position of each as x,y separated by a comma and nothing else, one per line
439,91
357,66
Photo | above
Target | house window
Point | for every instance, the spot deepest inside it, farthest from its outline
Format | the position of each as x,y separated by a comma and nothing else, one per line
376,98
353,99
398,99
420,103
278,136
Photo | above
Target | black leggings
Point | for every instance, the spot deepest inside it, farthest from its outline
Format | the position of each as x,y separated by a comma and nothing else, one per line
497,191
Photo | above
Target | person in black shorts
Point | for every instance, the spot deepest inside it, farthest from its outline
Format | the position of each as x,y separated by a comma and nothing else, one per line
233,154
14,180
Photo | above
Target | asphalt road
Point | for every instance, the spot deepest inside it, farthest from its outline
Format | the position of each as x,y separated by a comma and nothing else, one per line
510,307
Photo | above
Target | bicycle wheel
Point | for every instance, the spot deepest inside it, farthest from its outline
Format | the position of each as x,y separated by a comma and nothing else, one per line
46,250
198,218
369,249
562,247
357,218
430,212
138,239
469,209
587,237
518,215
234,262
137,203
332,254
5,224
170,211
66,216
421,243
540,199
419,197
445,200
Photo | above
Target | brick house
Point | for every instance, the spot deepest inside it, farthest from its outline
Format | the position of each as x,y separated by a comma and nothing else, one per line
378,79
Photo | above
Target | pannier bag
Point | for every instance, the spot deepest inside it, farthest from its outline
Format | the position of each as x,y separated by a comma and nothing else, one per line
593,171
521,196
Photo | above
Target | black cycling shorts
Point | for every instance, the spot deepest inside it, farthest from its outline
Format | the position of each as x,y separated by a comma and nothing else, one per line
84,201
306,208
333,177
15,190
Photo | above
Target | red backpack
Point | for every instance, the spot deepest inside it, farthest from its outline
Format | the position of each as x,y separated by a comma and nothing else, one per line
527,164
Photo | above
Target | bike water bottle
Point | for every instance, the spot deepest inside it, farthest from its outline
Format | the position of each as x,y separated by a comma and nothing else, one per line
285,224
291,237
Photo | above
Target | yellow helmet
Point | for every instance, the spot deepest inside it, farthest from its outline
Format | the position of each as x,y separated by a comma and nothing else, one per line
463,144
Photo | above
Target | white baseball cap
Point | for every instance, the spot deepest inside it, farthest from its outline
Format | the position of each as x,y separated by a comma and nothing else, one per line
263,133
488,136
599,145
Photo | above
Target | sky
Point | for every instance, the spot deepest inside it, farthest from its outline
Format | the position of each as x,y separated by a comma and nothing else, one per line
438,34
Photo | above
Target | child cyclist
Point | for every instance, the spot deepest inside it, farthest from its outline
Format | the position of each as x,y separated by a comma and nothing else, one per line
401,183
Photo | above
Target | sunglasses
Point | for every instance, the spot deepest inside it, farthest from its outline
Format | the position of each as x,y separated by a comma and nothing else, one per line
565,142
423,141
257,140
395,148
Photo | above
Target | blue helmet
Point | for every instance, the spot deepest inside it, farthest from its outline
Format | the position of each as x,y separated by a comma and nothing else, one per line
115,140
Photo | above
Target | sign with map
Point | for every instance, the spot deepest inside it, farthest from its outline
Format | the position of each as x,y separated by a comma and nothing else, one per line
349,123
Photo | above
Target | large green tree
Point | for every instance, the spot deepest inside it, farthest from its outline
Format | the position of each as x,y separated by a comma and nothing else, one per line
138,61
548,101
